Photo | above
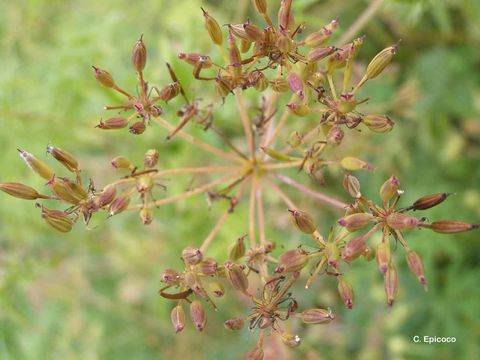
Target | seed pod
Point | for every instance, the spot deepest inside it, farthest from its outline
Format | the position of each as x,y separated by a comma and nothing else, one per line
369,253
378,123
335,136
137,128
321,36
103,77
139,55
346,53
113,123
238,30
121,162
150,159
236,276
356,221
351,163
332,253
346,292
245,46
285,15
352,186
208,266
216,289
253,32
234,56
296,85
177,317
261,6
36,165
169,91
192,256
303,221
402,222
284,43
380,61
63,158
237,249
254,354
391,284
144,184
258,80
292,261
194,59
416,267
169,277
198,315
354,248
429,201
295,139
291,340
317,316
389,188
383,257
57,219
62,189
234,323
21,191
146,216
451,226
119,205
223,86
321,53
276,155
279,85
213,28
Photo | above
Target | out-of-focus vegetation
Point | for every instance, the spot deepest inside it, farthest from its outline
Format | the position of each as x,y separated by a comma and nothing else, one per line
91,294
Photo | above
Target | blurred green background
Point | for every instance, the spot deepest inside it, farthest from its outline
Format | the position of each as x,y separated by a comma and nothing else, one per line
91,294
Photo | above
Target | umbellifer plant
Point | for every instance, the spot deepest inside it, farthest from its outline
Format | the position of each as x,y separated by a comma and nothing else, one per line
273,60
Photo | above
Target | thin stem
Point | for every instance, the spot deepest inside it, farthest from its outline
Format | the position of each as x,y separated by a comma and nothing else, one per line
318,268
286,165
198,143
251,213
186,194
191,170
227,142
221,221
290,204
332,86
361,21
260,215
280,124
270,109
245,121
334,202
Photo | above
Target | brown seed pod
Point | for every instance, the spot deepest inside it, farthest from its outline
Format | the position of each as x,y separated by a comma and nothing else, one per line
139,55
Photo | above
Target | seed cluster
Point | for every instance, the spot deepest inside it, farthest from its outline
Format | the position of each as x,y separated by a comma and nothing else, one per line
270,60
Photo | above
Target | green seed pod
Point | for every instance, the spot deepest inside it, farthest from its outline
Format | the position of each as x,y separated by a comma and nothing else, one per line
103,77
380,61
389,189
303,221
37,165
351,163
279,85
146,216
139,55
378,123
57,219
144,183
292,261
21,191
237,249
213,29
300,110
121,162
295,139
